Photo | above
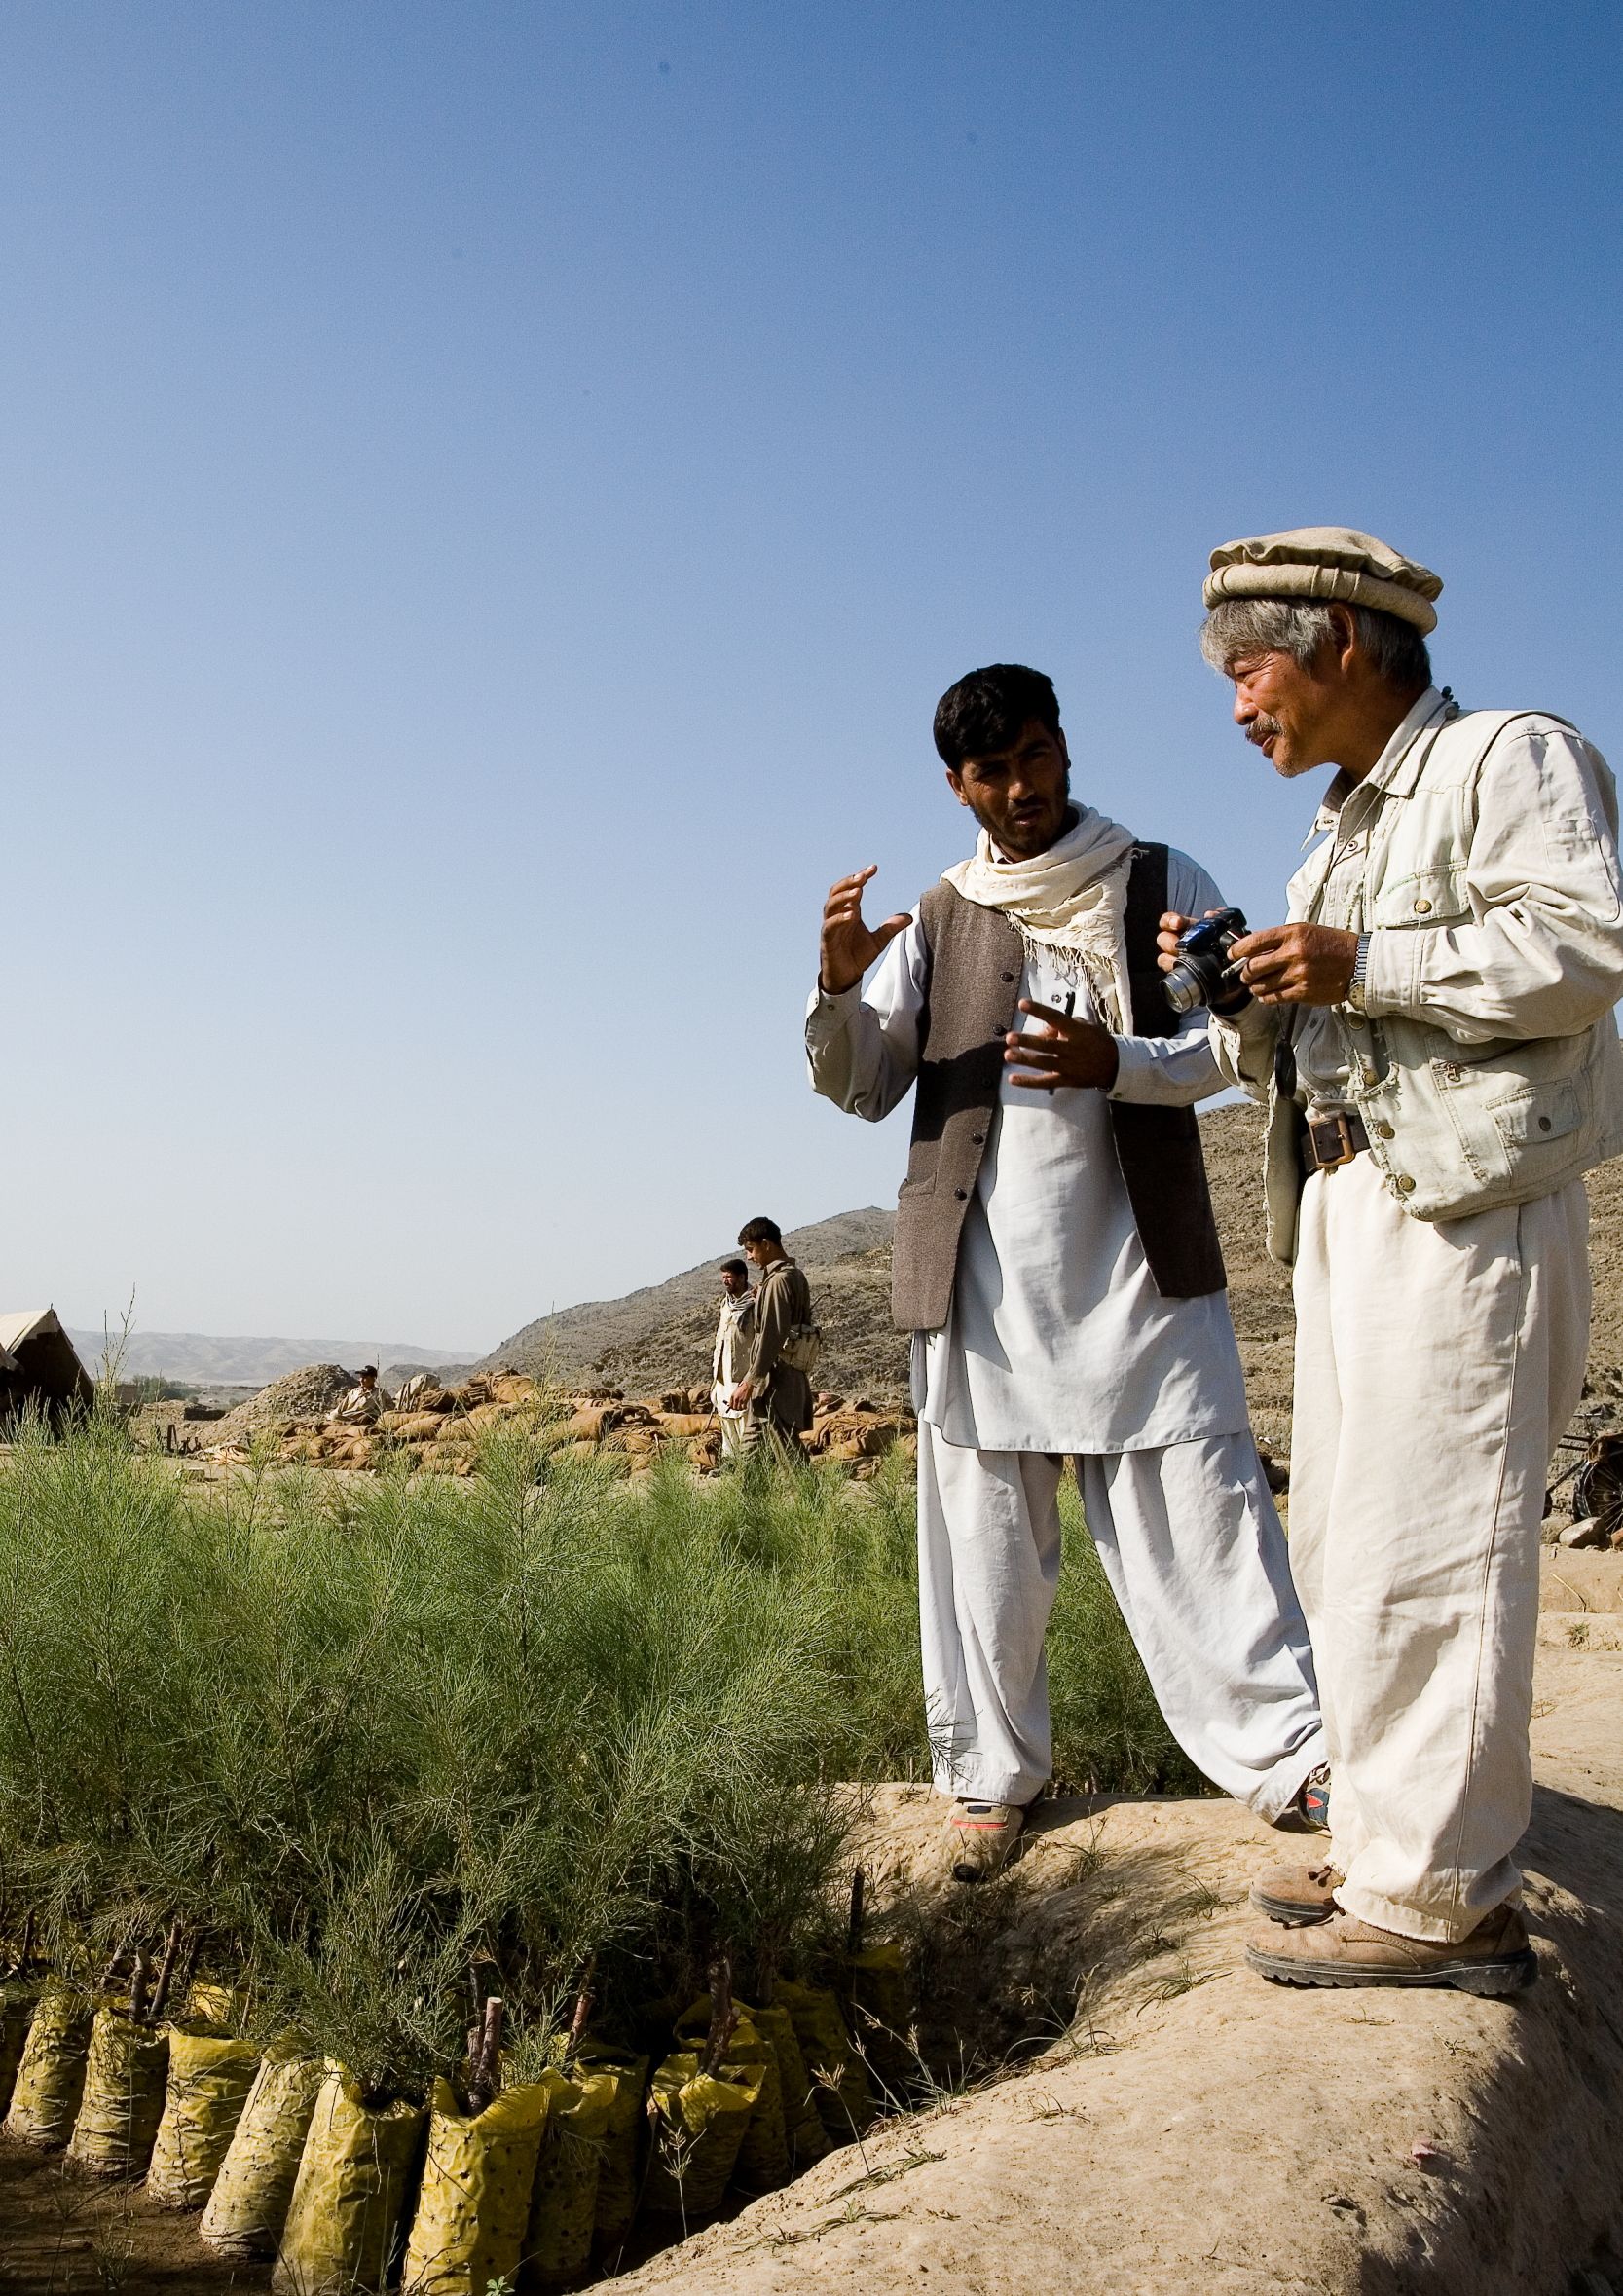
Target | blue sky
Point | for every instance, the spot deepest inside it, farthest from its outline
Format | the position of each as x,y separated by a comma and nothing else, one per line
490,496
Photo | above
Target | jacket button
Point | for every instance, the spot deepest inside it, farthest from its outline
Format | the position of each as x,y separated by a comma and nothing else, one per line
1404,1185
1423,908
1383,1132
962,1193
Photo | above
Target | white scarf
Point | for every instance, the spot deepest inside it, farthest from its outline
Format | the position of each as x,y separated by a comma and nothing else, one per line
1069,903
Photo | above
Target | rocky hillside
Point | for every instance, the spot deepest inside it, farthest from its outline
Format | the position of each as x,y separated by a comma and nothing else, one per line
660,1336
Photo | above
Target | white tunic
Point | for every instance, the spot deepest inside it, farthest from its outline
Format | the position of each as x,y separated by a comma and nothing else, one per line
1057,1339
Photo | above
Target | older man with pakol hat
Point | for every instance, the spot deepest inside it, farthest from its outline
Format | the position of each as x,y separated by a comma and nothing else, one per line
1432,1032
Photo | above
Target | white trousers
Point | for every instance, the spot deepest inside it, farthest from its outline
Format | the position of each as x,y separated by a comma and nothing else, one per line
1436,1363
1195,1559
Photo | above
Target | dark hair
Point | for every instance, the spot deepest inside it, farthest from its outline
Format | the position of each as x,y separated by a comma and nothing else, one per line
986,710
734,1268
761,1231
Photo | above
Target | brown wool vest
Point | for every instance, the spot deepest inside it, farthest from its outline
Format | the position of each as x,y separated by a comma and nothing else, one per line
976,960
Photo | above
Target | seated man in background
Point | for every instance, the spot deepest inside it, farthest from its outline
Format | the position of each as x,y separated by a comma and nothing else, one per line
1057,1263
364,1405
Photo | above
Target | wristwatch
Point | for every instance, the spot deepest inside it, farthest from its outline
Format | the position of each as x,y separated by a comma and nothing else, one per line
1360,966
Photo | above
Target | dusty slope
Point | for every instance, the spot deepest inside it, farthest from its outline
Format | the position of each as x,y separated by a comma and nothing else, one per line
1196,2128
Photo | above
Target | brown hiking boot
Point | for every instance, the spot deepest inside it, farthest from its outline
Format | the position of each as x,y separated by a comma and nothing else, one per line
1297,1893
1496,1958
980,1837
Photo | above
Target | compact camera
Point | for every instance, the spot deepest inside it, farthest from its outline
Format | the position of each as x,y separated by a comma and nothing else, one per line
1200,975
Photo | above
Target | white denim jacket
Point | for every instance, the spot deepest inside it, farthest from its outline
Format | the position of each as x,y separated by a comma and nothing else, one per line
1479,856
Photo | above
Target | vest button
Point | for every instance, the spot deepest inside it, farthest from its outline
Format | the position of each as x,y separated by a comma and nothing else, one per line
1423,908
1008,975
977,1139
963,1193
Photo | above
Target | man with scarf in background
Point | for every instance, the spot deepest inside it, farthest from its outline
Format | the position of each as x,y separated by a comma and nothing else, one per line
1057,1264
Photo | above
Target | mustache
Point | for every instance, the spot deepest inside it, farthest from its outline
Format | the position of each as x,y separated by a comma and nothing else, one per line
1262,729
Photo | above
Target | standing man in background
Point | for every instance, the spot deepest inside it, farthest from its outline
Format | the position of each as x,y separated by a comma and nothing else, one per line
775,1394
1057,1263
734,1335
1433,1035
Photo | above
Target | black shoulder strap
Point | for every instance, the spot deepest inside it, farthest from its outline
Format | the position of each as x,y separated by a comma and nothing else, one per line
1147,883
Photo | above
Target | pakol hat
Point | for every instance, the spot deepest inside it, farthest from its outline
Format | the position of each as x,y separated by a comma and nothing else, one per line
1328,563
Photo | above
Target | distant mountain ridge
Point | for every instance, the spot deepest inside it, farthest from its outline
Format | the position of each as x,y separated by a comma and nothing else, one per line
575,1342
197,1359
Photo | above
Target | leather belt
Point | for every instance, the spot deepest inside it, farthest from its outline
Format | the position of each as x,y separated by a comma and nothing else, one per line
1334,1138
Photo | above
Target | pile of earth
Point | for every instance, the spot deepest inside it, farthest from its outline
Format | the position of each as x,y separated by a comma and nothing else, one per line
437,1430
309,1392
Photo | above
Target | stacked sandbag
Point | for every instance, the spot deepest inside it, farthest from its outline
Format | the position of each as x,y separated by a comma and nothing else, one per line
839,2084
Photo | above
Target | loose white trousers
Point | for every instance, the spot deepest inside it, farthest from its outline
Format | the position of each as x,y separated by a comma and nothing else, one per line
1195,1559
1436,1363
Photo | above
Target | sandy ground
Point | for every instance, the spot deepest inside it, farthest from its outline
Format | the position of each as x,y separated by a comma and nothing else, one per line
1142,2114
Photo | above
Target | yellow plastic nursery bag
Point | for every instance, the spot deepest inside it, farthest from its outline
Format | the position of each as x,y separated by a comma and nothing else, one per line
807,2140
248,2204
51,2075
700,2126
345,2219
882,2011
617,2193
564,2206
210,2075
839,2080
126,2072
16,2015
764,2156
473,2211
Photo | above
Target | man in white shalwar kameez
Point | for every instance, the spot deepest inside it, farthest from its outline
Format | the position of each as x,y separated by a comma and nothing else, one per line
1041,1328
729,1357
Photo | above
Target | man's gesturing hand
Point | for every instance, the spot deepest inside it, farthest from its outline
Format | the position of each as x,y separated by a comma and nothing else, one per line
1065,1050
1297,964
849,946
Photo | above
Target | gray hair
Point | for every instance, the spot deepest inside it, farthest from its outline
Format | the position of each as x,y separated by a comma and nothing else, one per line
1301,626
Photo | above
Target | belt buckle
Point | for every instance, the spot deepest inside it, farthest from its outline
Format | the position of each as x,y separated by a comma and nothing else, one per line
1336,1129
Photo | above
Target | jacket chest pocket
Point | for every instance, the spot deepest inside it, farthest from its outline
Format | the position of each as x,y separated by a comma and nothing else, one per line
1432,895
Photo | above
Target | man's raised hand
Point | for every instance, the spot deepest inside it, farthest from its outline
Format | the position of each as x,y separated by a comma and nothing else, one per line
849,945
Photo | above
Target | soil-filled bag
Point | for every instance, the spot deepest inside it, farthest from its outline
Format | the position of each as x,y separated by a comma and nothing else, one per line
18,2002
839,2081
617,2196
127,2070
210,2075
347,2218
51,2073
882,2011
762,2162
699,2130
562,2208
248,2204
808,2141
473,2211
